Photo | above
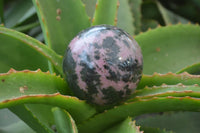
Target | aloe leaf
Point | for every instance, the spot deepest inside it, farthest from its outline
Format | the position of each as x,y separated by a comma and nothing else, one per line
21,83
192,69
104,120
126,126
61,20
83,112
124,17
170,17
148,24
90,7
26,27
17,127
137,15
166,90
18,12
18,85
163,48
179,122
43,113
150,11
26,115
15,84
27,52
169,79
106,12
64,122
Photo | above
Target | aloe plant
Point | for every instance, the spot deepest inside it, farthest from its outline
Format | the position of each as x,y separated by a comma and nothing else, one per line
32,86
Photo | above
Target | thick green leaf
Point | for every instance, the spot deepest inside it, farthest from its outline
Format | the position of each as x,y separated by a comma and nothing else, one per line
137,14
127,126
170,48
15,84
26,27
170,79
64,122
43,113
78,109
106,12
124,17
192,69
179,122
110,117
20,83
90,7
18,12
61,20
166,91
148,24
170,17
17,127
26,115
21,51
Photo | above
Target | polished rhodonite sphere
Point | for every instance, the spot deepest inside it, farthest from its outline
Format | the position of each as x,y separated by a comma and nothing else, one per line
103,65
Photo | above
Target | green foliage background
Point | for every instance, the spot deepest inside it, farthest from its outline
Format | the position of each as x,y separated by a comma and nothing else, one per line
33,38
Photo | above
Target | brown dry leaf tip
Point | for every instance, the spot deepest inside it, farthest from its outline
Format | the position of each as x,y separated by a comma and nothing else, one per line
149,29
38,70
169,97
92,20
12,71
115,21
43,19
159,26
37,2
196,85
47,33
118,4
188,97
48,72
58,18
179,23
157,49
96,6
159,74
170,24
146,87
23,88
58,11
170,73
140,32
154,86
164,85
180,84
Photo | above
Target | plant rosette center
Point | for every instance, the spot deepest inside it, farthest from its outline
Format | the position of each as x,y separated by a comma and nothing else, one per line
103,65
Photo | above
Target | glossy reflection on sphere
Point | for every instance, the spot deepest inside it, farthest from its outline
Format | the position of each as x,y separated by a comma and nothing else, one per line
103,65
